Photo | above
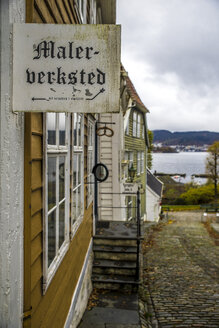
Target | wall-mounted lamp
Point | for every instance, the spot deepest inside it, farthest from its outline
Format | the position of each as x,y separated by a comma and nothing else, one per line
131,172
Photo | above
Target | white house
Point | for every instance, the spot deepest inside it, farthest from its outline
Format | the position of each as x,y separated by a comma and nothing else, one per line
154,188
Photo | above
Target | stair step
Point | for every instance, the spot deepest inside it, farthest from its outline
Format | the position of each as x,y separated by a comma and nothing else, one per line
114,279
102,255
100,240
111,267
115,249
115,264
113,271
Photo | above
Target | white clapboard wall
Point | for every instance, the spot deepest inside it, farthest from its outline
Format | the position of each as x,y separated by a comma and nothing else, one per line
109,150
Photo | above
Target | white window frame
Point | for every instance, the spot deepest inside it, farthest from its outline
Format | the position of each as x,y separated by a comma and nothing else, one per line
90,160
56,151
138,162
78,150
142,162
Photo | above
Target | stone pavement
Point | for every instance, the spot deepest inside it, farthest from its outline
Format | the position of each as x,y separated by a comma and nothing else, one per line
181,275
111,310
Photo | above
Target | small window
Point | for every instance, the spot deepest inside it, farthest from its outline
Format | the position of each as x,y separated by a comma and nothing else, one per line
77,207
57,175
136,124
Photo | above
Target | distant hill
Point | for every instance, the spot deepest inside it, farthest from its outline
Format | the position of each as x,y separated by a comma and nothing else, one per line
198,138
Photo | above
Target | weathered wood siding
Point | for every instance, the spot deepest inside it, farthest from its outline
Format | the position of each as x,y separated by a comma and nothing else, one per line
51,309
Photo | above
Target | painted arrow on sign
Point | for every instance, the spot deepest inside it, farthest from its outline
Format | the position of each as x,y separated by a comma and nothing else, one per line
101,91
33,99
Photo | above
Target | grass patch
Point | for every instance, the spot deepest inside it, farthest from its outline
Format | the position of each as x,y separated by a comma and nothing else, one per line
180,208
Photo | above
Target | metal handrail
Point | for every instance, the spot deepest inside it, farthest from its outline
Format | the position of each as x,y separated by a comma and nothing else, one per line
138,223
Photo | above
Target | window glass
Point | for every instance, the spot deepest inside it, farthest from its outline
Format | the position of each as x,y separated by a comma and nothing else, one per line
51,182
75,130
142,162
134,124
62,129
57,177
138,125
51,237
51,127
77,187
61,223
138,162
61,177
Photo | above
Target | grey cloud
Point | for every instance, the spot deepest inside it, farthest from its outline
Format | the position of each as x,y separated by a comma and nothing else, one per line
176,36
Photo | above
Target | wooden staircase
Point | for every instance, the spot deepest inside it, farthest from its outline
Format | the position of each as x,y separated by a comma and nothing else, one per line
115,263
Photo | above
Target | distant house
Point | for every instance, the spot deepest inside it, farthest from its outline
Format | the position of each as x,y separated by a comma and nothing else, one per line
154,189
135,145
126,148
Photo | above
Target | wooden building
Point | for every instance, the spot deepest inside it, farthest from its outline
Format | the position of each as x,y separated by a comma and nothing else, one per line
126,148
46,199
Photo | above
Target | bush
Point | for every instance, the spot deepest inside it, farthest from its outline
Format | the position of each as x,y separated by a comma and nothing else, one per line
198,195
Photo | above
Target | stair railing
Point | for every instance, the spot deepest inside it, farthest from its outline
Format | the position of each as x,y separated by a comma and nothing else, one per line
138,216
138,223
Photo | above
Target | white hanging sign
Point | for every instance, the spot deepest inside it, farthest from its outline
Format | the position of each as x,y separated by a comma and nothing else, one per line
66,68
129,188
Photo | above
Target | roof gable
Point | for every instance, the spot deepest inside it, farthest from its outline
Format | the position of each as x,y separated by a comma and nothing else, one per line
155,184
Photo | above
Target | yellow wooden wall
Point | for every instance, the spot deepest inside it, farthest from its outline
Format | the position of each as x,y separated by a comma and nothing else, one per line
51,309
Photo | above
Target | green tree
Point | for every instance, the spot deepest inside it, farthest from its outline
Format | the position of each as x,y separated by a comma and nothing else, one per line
149,159
212,165
198,195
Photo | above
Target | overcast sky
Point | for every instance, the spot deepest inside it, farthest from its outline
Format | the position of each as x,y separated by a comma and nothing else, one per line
170,49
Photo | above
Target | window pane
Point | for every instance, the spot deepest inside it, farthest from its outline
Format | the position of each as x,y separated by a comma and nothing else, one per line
79,169
62,129
79,202
51,127
74,209
51,237
61,223
61,178
51,182
75,157
79,131
75,129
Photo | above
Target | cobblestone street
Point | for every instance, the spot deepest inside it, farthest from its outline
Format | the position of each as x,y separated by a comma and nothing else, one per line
181,274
